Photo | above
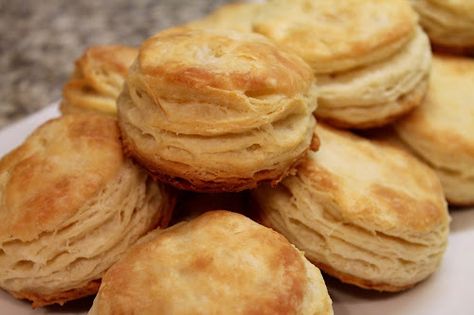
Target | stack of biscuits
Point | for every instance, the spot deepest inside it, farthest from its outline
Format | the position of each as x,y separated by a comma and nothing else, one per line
219,116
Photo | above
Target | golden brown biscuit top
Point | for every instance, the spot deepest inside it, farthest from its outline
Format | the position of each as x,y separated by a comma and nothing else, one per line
459,7
328,31
219,263
59,167
445,120
221,59
375,184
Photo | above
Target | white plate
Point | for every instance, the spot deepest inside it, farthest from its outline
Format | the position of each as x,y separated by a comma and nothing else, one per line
450,291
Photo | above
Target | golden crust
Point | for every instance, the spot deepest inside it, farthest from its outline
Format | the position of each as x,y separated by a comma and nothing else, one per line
40,300
221,262
97,80
217,110
441,130
227,60
379,221
237,16
48,181
362,283
338,35
70,206
407,192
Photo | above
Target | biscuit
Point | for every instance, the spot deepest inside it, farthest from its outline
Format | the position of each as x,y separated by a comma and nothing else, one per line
441,130
218,263
214,111
365,212
334,36
375,95
70,205
235,16
370,58
449,24
97,79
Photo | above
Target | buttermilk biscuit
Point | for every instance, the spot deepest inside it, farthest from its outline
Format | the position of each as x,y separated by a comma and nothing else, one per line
234,16
70,205
379,93
441,130
365,212
449,23
210,110
97,79
219,263
371,59
339,35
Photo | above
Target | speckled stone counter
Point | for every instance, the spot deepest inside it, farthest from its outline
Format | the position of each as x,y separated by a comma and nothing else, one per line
39,41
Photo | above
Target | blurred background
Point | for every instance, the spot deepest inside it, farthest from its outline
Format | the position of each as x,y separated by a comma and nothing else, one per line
39,41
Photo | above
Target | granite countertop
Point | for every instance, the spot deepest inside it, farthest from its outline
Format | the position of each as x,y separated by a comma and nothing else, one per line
41,39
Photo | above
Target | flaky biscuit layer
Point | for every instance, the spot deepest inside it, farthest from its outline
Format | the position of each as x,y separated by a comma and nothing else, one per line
70,207
217,110
366,212
377,94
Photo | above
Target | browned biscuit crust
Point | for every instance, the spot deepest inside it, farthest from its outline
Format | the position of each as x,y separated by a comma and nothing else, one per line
70,205
40,300
363,283
218,263
334,36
